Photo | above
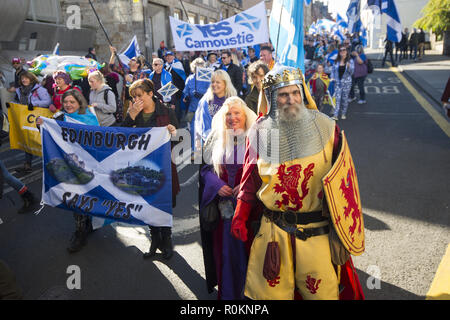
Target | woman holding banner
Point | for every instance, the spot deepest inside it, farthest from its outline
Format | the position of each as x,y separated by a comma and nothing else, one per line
147,111
32,94
75,109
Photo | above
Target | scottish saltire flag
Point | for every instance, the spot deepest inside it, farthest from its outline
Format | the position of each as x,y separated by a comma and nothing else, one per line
312,28
178,67
204,74
325,24
364,37
375,6
56,49
167,91
332,56
89,117
130,52
394,27
341,22
353,15
337,32
286,32
123,174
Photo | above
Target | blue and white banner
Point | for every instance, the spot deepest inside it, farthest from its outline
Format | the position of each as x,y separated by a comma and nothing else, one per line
286,32
117,173
244,29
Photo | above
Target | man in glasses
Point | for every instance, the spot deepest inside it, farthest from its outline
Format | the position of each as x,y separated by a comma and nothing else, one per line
18,66
233,71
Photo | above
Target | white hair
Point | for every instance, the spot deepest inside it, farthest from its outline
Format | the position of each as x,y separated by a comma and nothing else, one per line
222,138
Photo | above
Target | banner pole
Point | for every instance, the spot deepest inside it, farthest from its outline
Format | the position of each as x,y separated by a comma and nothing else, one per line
104,31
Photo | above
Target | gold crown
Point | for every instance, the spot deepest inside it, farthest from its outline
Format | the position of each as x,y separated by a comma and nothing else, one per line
287,77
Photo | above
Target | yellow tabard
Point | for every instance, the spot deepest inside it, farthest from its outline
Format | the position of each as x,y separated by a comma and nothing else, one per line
295,185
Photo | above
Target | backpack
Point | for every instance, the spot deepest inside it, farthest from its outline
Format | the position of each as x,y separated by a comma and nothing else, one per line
369,66
119,106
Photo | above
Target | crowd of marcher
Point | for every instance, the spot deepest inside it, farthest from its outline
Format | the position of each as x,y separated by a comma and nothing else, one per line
219,114
333,67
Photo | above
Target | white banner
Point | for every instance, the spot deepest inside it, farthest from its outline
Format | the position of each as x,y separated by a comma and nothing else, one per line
247,28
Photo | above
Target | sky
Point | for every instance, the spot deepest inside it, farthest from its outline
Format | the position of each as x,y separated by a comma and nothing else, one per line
337,6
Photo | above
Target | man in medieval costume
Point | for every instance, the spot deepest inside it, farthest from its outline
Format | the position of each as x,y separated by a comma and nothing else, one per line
297,164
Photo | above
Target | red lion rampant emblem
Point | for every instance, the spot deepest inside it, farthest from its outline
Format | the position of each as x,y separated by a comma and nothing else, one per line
312,284
349,193
289,179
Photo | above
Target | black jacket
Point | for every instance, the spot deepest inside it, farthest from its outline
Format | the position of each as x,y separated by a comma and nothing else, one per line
235,74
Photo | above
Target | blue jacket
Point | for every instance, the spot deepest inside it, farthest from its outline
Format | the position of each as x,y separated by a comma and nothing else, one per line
38,97
192,86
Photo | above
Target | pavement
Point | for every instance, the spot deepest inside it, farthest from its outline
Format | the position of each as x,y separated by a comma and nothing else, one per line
430,74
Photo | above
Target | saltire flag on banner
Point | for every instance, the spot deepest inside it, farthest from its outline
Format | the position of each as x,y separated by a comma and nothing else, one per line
23,133
353,15
130,52
117,173
307,2
394,27
286,32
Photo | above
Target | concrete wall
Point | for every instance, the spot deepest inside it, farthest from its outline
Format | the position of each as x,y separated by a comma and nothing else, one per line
12,15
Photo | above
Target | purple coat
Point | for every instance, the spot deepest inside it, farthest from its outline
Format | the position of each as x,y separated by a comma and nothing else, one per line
38,97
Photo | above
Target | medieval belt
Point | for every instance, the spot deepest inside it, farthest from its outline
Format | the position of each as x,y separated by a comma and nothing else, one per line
288,221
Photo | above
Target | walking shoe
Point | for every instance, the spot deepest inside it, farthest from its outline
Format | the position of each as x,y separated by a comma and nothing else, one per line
335,118
77,241
343,117
155,234
166,242
30,203
361,101
352,99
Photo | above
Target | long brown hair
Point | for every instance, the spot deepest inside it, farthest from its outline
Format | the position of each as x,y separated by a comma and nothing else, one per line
347,57
145,85
30,76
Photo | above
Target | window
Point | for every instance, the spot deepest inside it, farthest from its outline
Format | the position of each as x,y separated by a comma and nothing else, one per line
212,21
45,11
206,2
177,14
191,17
202,20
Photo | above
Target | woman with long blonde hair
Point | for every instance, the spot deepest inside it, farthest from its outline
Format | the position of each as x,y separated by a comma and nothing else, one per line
220,89
225,257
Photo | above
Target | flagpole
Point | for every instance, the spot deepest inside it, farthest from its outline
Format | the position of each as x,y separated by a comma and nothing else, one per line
101,24
279,27
185,12
106,34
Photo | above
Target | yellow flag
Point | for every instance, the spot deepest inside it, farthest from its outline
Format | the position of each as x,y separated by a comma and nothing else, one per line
23,133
